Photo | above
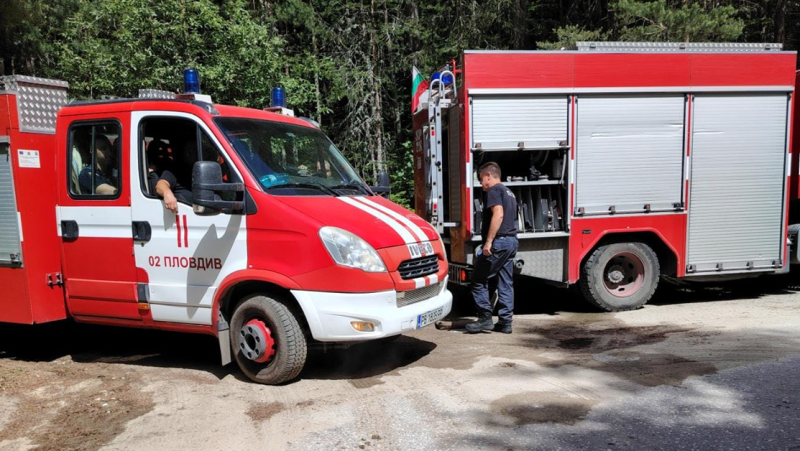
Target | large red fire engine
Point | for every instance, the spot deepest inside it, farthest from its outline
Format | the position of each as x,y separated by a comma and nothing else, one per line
276,244
628,161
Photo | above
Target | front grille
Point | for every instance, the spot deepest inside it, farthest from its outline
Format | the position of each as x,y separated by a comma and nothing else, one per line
405,298
418,267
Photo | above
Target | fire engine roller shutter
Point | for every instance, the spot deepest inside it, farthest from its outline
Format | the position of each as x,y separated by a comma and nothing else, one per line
737,181
9,219
502,122
629,153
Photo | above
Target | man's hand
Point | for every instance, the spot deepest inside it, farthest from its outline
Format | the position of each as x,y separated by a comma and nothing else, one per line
487,248
170,202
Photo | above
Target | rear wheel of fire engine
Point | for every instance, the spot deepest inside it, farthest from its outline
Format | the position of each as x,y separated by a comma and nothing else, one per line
620,276
267,340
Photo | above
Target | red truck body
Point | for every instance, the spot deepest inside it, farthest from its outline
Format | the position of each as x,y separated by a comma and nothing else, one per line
275,243
684,148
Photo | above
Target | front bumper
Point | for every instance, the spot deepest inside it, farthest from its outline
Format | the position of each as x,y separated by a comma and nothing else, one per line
329,314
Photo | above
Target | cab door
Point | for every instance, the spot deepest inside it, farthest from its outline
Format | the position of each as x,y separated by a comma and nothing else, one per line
184,256
94,218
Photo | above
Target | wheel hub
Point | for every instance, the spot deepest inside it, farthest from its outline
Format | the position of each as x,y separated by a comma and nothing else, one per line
624,274
256,341
616,274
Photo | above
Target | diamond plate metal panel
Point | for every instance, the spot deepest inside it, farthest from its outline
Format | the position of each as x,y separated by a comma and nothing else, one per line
10,252
156,94
664,47
38,101
545,258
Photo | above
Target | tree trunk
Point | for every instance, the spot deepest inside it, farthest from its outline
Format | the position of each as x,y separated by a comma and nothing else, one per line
377,114
780,21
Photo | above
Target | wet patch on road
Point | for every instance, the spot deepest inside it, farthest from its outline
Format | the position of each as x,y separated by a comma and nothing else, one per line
539,407
263,411
606,346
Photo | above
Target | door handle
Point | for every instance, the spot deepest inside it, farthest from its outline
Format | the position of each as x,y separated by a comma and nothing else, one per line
69,230
142,231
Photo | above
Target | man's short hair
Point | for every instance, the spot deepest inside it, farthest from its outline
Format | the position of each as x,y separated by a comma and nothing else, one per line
490,168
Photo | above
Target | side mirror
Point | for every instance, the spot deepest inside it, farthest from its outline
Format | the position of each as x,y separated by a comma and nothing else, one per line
206,180
384,187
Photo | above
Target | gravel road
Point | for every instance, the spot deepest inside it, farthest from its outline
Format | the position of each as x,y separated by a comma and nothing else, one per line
712,367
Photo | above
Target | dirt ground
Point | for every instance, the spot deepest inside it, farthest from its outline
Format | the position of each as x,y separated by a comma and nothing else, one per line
566,374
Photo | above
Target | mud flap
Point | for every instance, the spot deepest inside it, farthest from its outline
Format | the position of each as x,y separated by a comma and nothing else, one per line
224,337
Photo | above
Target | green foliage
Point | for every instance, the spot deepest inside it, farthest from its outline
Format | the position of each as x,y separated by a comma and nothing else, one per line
402,176
116,47
345,63
569,35
659,21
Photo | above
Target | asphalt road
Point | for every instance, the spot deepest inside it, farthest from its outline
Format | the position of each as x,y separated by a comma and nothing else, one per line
708,368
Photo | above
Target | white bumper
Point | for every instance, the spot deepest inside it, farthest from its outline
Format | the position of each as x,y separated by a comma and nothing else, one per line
329,314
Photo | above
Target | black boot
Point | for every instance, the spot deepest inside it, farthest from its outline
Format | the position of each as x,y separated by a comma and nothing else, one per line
503,328
484,323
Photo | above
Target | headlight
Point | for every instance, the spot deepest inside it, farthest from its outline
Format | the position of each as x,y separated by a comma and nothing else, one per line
347,249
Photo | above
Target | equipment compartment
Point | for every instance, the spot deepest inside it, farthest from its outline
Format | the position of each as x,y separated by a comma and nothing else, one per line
538,179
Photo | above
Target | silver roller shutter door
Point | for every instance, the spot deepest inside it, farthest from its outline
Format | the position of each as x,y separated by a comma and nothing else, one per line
9,219
629,153
502,122
737,181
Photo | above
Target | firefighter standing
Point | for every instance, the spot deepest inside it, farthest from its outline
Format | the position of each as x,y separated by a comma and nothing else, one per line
497,252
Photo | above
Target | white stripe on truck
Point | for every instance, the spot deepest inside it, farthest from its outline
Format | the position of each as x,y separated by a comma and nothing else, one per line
396,226
402,219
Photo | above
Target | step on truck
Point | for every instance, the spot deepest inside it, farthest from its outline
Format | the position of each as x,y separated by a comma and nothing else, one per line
270,241
629,161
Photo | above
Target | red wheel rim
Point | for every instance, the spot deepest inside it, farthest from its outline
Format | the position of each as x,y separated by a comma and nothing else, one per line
624,274
256,341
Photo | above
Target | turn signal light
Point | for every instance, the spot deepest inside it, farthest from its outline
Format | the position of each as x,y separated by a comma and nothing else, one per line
362,326
143,306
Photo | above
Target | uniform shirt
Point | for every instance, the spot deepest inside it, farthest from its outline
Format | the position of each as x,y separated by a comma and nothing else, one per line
85,180
181,193
500,195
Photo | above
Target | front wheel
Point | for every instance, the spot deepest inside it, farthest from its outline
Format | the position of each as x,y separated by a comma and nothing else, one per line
267,340
620,276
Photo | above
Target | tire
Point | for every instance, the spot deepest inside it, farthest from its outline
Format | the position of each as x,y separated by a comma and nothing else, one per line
620,276
290,343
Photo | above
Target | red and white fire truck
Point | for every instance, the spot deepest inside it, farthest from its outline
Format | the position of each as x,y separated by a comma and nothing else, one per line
628,160
277,244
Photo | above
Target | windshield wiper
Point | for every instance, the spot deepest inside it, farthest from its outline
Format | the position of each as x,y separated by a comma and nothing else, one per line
352,185
316,186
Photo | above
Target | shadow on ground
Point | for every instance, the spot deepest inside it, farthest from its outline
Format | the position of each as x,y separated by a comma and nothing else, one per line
89,343
100,344
533,297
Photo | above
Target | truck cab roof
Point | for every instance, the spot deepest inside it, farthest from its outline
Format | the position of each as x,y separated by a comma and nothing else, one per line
84,107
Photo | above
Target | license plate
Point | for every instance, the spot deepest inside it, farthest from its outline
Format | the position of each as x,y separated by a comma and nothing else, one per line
421,249
429,317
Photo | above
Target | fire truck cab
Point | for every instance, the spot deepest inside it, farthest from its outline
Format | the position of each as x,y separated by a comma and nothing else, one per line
267,238
628,161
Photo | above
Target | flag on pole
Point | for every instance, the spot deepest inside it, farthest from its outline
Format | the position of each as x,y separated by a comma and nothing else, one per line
419,85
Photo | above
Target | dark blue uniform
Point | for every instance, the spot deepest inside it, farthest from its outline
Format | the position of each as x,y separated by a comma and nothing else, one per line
501,262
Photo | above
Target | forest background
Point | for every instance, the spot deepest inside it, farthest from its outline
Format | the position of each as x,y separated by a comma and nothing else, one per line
345,63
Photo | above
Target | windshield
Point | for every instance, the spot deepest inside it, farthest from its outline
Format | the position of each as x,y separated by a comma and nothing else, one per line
291,160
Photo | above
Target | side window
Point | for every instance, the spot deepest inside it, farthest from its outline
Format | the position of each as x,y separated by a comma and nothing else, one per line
169,148
93,160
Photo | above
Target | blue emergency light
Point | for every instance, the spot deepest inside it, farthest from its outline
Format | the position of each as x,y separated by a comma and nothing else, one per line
278,97
447,79
191,81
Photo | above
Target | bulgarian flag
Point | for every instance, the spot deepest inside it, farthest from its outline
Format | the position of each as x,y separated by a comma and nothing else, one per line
419,86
